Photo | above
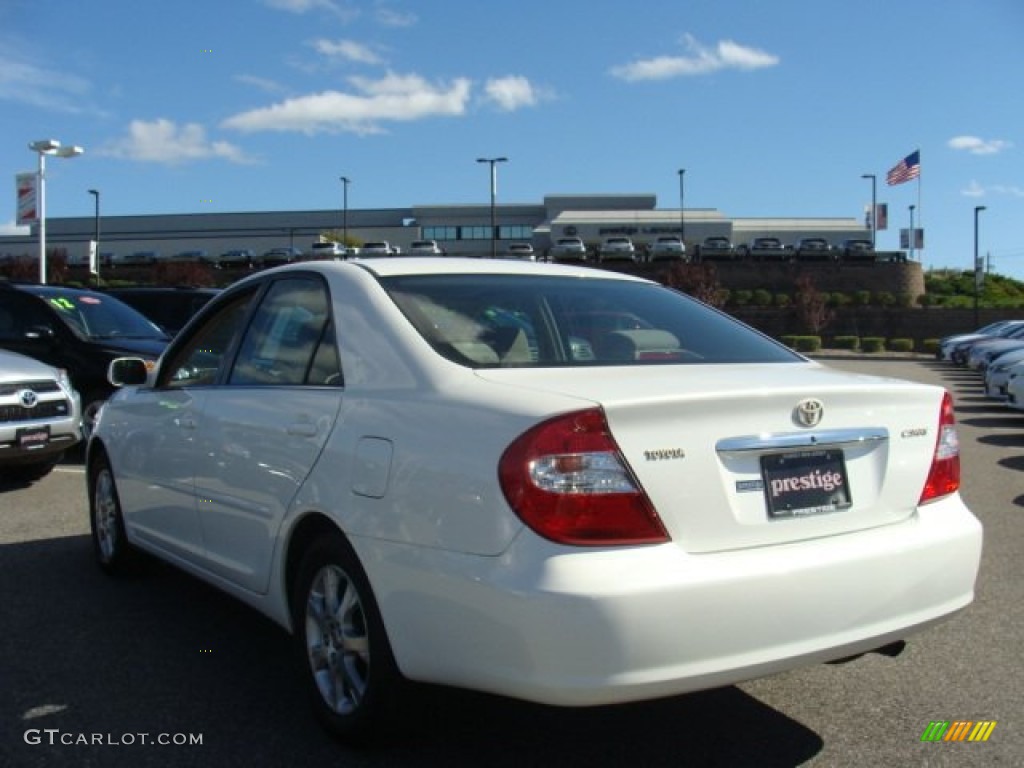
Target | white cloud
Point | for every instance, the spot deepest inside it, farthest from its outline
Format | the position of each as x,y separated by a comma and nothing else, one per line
25,82
392,18
163,141
974,189
393,98
304,6
700,60
978,146
346,49
513,92
1006,189
263,83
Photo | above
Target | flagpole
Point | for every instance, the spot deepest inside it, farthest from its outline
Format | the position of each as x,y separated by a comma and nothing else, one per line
920,211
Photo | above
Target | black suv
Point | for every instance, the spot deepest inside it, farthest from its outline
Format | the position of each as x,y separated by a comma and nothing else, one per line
79,331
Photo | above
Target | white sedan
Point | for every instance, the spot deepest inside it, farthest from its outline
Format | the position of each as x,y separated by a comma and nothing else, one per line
458,471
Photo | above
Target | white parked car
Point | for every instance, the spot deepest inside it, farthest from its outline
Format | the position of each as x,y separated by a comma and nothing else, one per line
667,247
568,249
425,248
1015,391
617,249
520,251
40,416
997,375
545,481
327,250
377,248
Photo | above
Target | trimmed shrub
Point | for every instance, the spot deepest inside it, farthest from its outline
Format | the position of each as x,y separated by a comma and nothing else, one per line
862,298
782,300
742,297
930,346
789,340
884,299
901,345
872,344
762,298
807,343
846,342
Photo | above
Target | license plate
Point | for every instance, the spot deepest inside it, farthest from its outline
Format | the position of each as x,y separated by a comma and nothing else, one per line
31,438
805,483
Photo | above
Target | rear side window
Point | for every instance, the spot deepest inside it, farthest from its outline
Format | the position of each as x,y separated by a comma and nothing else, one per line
486,321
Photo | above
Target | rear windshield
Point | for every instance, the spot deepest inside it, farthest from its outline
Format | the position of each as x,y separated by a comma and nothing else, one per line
487,321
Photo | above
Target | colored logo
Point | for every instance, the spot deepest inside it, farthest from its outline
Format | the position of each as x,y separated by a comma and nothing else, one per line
958,730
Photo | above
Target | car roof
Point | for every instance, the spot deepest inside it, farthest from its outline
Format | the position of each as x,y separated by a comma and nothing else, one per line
468,266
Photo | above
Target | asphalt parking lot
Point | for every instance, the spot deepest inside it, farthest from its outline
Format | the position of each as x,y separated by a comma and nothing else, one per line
99,672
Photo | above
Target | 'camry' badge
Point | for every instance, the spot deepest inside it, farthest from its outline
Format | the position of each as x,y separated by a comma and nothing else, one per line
809,412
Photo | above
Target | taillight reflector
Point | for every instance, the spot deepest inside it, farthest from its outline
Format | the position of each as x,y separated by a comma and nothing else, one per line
568,481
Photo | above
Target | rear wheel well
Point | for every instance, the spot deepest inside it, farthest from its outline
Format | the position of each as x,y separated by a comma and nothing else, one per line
309,529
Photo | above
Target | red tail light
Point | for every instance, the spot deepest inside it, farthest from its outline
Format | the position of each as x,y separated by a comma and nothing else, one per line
568,481
944,475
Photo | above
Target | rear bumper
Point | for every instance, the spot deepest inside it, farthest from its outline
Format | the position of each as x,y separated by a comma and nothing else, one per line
582,627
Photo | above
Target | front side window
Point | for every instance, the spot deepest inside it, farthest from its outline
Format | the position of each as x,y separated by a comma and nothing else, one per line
198,361
519,321
290,341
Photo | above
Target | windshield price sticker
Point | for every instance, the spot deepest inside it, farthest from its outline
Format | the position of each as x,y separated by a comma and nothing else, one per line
805,483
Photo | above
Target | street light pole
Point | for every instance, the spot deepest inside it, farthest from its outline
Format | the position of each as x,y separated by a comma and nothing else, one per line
46,147
345,181
682,215
874,206
494,190
96,232
977,272
912,240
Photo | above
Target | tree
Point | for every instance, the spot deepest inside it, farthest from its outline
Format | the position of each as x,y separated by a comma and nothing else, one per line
812,308
698,280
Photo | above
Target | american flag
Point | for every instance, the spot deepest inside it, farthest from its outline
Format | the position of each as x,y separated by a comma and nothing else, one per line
906,169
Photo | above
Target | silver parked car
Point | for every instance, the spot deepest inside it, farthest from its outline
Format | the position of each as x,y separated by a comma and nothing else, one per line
40,417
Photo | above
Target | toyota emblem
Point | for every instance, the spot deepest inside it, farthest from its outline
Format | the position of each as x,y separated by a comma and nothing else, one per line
28,398
809,412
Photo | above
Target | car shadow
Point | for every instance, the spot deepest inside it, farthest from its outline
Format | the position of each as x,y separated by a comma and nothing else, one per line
164,653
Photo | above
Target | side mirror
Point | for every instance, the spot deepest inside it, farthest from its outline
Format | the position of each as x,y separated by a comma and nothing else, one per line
127,372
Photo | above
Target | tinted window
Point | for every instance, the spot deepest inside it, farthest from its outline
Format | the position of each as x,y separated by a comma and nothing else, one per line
96,316
291,339
198,361
510,320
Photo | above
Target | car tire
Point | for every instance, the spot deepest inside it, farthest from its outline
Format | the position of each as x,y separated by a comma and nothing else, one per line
91,405
114,554
341,645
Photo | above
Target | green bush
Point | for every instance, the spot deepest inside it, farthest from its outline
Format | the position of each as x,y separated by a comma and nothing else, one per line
789,340
839,299
862,298
901,345
807,343
762,298
930,346
742,297
884,299
872,344
782,300
846,342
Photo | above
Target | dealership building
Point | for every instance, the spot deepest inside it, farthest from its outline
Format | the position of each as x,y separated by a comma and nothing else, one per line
459,229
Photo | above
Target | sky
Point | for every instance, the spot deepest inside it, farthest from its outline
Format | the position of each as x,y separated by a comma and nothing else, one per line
774,108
